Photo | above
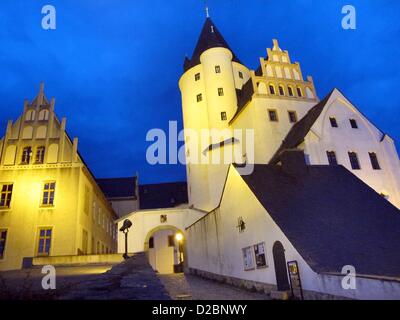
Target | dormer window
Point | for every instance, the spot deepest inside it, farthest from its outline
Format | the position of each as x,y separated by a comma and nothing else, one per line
26,155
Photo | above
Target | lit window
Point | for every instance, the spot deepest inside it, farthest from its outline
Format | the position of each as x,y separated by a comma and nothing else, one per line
374,161
290,91
6,195
3,239
353,124
292,116
220,92
44,243
217,69
299,92
171,241
332,158
240,74
355,164
26,155
272,89
199,97
49,190
197,77
273,116
223,116
333,122
40,151
281,91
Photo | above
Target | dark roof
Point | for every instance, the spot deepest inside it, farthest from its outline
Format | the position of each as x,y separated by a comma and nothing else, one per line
115,188
243,97
300,129
331,217
209,38
163,195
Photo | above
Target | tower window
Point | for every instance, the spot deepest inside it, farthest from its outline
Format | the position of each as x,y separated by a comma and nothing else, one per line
220,92
49,190
223,116
353,124
40,151
290,91
355,164
26,155
281,91
292,116
6,195
199,97
217,69
333,121
272,89
240,74
44,242
273,116
197,77
332,160
3,238
374,161
299,92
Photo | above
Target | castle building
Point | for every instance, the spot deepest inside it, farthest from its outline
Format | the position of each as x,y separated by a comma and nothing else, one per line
323,193
50,202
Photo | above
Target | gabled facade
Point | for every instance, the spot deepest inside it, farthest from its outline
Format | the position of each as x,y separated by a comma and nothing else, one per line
50,203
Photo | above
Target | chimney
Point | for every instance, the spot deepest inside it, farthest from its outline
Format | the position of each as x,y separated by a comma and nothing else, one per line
293,162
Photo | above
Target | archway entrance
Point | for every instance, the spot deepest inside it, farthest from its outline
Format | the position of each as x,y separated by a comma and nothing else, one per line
165,249
282,281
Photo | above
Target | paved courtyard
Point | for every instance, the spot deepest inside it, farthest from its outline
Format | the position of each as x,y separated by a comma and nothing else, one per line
190,287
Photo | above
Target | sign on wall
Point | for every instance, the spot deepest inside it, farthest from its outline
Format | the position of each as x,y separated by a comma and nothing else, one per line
260,255
295,281
248,260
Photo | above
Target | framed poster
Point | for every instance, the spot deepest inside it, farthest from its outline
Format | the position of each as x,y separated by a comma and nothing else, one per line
248,260
260,255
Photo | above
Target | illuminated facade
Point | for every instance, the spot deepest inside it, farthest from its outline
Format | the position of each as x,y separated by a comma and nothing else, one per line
50,202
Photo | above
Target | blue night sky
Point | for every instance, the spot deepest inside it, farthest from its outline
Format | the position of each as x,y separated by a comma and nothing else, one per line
114,65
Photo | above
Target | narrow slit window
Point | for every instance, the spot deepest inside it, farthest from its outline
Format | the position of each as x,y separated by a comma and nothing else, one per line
197,77
220,92
199,97
217,69
223,116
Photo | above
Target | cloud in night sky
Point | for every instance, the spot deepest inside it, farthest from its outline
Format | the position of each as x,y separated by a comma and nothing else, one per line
114,65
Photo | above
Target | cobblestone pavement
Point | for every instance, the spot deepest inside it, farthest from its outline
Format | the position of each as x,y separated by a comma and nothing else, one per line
189,287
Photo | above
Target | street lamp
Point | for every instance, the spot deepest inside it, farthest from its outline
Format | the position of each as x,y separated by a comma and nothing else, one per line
125,229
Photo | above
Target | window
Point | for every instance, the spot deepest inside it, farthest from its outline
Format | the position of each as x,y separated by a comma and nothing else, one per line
374,161
220,92
3,239
6,194
272,89
151,243
30,115
332,158
355,164
353,124
223,116
333,121
40,154
217,69
281,91
44,243
197,77
273,116
163,218
240,74
48,193
292,116
199,97
26,155
299,92
171,241
290,91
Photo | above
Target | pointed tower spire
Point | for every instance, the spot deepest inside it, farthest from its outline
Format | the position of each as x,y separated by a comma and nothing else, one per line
207,12
210,37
